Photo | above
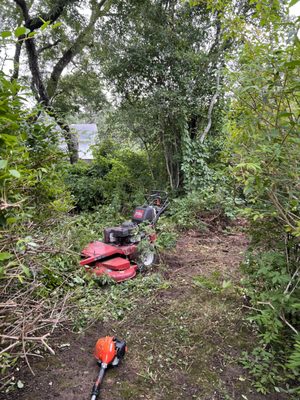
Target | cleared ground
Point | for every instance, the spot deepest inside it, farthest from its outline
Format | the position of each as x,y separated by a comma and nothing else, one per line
184,341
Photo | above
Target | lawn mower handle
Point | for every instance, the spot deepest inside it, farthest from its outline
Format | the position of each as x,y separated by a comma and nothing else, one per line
158,193
162,209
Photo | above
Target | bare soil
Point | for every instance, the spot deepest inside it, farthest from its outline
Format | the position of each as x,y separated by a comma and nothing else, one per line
184,341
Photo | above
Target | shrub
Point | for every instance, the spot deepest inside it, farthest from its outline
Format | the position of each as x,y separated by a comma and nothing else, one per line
264,145
116,176
203,209
30,178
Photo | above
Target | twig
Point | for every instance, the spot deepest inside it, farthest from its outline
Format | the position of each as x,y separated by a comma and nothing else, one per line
290,282
281,316
11,346
48,347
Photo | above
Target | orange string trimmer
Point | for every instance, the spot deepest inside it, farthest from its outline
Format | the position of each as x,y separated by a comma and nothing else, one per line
108,351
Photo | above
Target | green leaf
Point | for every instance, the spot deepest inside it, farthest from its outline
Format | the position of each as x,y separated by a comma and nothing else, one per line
5,34
21,30
44,26
58,24
11,220
293,2
26,271
292,64
15,173
3,164
285,114
5,256
226,284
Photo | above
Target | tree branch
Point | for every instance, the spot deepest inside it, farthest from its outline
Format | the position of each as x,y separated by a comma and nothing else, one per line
48,46
22,4
57,9
76,47
37,81
17,56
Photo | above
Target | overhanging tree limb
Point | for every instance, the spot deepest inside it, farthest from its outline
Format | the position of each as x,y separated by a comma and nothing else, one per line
79,43
49,46
58,7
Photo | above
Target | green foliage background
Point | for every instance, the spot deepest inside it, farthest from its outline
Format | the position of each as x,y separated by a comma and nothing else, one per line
153,76
263,146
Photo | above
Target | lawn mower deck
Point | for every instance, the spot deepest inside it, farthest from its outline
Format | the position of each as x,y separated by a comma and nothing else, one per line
102,258
118,255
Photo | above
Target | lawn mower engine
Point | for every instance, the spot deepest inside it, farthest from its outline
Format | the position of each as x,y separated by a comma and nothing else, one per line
129,231
118,255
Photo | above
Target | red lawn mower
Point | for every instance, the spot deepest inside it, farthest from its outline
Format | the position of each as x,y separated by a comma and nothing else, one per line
129,247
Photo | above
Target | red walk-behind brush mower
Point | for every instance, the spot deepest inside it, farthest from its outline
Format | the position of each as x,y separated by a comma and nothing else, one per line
119,255
108,352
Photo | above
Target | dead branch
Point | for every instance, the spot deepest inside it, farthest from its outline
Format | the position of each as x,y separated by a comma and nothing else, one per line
4,205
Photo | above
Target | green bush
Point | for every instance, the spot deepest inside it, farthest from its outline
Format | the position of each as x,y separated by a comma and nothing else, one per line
116,176
264,146
30,175
190,212
86,185
275,311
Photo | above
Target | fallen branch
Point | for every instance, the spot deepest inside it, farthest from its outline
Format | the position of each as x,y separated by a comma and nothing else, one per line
30,339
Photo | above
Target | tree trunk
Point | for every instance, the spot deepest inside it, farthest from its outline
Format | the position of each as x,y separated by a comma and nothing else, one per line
45,94
17,56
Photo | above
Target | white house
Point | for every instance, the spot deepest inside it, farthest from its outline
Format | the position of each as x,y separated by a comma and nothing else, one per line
87,135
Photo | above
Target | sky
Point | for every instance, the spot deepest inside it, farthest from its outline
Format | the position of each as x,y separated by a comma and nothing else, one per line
295,10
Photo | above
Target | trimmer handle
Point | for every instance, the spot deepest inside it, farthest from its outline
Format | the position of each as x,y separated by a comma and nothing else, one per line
96,387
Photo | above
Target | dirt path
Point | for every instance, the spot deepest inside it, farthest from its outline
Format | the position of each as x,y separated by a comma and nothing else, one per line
184,341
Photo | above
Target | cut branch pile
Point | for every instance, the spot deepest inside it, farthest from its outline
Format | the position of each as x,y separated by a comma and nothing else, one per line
28,315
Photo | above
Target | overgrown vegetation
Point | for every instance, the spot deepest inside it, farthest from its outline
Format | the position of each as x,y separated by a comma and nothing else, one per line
264,137
199,98
116,177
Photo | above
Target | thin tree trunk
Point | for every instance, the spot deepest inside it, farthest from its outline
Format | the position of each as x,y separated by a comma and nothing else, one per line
167,161
210,109
17,56
71,139
148,157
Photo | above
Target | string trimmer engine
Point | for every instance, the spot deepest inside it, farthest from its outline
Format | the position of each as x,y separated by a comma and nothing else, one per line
108,352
